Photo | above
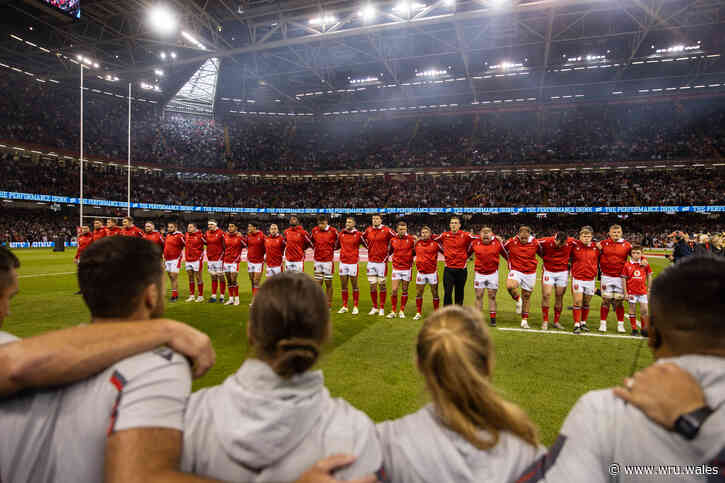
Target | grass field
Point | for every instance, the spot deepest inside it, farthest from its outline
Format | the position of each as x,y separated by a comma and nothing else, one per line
369,360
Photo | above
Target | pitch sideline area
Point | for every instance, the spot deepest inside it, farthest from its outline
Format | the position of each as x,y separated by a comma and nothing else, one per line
369,359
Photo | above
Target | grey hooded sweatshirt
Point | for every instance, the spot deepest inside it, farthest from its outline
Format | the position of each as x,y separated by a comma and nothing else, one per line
259,427
418,448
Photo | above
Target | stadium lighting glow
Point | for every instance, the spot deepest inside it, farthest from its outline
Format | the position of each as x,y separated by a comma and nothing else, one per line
364,80
367,13
162,20
323,20
677,48
159,72
449,3
506,65
173,55
405,7
193,40
163,55
431,73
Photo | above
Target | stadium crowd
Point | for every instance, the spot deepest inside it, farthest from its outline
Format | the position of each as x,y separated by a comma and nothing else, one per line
47,115
562,188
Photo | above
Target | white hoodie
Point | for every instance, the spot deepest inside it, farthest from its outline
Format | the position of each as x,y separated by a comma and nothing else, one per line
418,448
260,427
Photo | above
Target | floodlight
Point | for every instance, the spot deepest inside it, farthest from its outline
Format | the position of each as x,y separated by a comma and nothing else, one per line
159,72
173,55
162,20
163,55
367,13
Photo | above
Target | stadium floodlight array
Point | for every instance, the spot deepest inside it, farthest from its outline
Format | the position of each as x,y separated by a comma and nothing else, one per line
159,72
193,40
507,65
87,61
431,73
162,20
406,7
676,49
323,20
364,80
367,13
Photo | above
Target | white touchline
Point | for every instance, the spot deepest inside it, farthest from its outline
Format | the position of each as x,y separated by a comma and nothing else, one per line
45,274
560,332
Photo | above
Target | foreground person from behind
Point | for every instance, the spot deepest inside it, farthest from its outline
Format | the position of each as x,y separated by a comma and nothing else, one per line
603,434
469,433
275,418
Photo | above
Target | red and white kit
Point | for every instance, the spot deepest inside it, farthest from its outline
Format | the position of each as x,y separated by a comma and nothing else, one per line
274,250
154,237
132,230
215,251
377,240
255,251
556,261
194,250
173,248
233,245
349,243
324,241
523,261
84,241
401,248
298,240
612,259
426,261
584,260
487,261
636,275
455,247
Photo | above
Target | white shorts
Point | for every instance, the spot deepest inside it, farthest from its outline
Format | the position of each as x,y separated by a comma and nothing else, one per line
404,275
193,266
587,287
527,281
489,281
231,267
215,268
557,279
254,267
348,269
379,270
173,266
612,287
427,278
294,266
637,299
272,271
324,269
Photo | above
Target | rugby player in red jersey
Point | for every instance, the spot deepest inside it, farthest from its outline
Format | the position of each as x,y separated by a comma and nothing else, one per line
614,252
173,249
555,252
636,278
426,264
194,247
401,250
150,234
129,229
455,245
324,239
99,231
584,261
111,228
488,251
297,241
349,242
274,246
522,250
255,255
233,245
85,238
215,260
377,237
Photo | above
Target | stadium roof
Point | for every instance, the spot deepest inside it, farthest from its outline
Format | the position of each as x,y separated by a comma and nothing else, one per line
311,56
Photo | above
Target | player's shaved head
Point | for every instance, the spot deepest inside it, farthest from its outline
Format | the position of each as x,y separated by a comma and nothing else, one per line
587,229
115,272
293,220
687,304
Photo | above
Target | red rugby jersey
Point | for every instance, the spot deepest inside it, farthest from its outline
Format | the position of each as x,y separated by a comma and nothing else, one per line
174,245
233,244
402,250
154,237
614,256
556,259
349,243
99,233
636,275
487,255
522,256
274,249
194,246
584,259
132,230
377,240
113,231
426,256
214,245
255,247
84,240
298,240
324,242
455,247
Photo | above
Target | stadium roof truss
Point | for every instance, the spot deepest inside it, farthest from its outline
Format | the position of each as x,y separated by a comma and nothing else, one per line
270,51
197,95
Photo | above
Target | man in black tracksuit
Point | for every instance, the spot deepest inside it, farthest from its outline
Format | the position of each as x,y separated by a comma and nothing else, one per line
455,245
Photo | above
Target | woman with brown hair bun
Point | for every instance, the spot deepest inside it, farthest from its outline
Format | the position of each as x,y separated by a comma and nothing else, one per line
469,432
275,418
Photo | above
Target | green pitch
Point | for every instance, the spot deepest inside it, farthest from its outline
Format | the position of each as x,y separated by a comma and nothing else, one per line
369,359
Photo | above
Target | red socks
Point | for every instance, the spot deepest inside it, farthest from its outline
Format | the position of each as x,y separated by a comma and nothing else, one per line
620,314
603,312
200,287
394,302
254,291
557,315
436,303
545,313
585,314
645,322
174,293
223,288
577,315
419,304
524,316
214,287
355,297
383,296
344,298
492,315
374,298
633,321
191,288
403,301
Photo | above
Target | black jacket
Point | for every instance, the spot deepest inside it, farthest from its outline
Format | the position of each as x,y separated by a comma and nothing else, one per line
681,250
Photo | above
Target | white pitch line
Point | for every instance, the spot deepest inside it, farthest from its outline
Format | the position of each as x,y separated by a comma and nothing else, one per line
45,274
562,332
